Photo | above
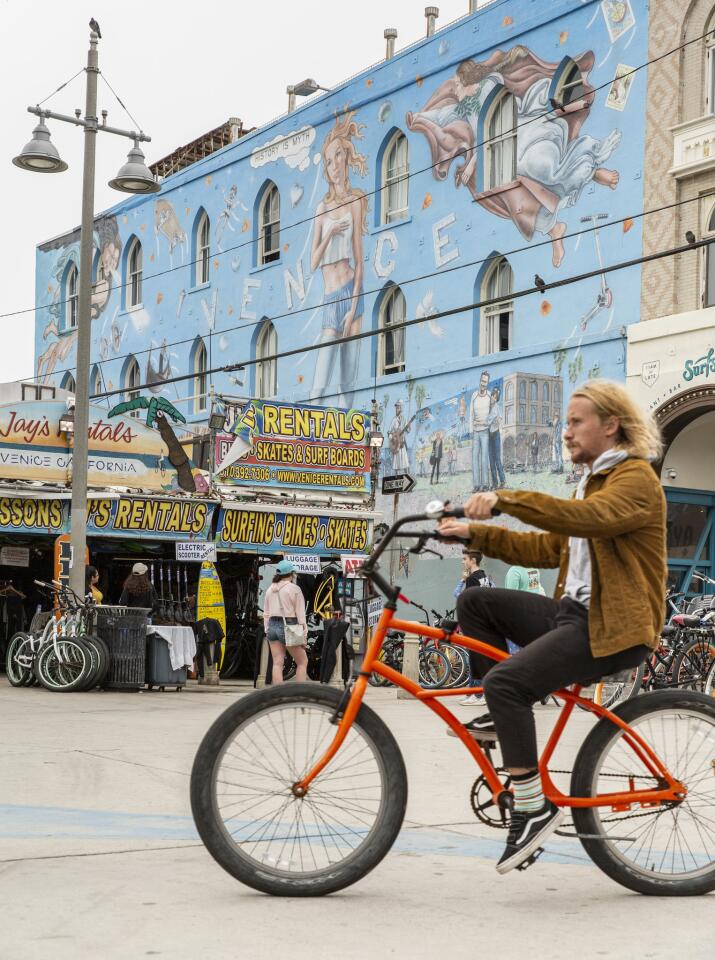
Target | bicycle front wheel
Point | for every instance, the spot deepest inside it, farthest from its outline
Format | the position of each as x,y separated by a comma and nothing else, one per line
251,821
667,850
691,668
434,668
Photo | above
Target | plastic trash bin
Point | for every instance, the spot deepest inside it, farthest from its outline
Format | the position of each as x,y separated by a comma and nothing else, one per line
124,630
159,672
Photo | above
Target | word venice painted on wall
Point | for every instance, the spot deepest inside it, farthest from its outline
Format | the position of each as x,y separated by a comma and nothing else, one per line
284,445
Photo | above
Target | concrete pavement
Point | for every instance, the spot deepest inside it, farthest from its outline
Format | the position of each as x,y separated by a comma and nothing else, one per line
99,856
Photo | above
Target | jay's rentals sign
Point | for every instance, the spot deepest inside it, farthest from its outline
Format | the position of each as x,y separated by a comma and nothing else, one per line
123,451
284,445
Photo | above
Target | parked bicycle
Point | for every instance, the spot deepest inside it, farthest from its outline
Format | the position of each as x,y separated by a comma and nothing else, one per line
313,812
62,656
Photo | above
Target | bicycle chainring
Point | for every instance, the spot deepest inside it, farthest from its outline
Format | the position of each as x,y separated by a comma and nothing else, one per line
483,804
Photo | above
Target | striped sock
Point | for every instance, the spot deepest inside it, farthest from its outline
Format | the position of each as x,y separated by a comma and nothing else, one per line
528,795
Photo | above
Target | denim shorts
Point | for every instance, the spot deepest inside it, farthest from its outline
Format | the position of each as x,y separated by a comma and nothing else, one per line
336,307
275,629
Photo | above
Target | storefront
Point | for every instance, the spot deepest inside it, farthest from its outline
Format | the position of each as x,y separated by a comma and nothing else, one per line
671,371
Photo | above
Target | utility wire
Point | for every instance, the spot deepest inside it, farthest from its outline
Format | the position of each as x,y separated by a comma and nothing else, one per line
407,176
516,295
119,101
61,86
401,283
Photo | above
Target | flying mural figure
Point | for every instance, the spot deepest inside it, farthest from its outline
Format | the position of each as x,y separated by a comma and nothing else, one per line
554,161
158,410
340,223
167,223
156,376
227,215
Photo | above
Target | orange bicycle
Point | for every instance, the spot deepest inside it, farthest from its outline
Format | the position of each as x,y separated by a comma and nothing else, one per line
300,789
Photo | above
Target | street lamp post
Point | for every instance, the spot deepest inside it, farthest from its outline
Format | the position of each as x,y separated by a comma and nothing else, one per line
40,156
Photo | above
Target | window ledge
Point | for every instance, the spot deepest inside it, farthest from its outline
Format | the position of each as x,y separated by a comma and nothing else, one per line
693,147
380,228
265,266
65,331
198,287
133,309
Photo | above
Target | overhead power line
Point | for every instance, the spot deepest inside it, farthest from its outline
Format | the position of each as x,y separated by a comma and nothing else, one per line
370,193
516,295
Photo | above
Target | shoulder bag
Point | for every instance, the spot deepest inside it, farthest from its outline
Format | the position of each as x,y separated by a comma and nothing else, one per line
293,632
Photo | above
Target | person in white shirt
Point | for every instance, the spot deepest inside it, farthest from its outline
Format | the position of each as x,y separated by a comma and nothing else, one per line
481,404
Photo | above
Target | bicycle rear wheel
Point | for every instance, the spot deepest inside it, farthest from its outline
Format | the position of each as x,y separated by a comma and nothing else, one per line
251,821
668,850
18,660
434,668
693,663
619,687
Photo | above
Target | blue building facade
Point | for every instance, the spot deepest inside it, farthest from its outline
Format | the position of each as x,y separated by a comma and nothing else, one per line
447,175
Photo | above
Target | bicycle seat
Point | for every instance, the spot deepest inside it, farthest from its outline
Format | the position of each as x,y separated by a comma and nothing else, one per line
686,620
669,631
448,625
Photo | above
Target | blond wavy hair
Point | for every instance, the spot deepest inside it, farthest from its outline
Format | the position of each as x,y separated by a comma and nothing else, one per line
639,434
346,129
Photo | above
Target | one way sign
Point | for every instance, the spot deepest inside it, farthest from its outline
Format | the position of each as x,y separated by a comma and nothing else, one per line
400,483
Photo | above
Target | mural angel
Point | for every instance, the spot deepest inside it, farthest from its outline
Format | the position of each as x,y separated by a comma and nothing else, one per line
554,160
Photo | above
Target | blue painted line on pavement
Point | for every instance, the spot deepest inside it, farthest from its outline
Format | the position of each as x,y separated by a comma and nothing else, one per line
28,822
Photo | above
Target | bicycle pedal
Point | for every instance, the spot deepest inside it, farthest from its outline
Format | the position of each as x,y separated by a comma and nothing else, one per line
529,860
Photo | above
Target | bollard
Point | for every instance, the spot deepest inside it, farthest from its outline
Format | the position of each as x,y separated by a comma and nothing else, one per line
336,677
410,663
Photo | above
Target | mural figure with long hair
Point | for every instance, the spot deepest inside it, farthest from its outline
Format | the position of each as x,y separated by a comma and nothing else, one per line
554,160
340,223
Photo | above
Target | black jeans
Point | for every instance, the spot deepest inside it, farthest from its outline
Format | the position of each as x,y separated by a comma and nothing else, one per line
556,653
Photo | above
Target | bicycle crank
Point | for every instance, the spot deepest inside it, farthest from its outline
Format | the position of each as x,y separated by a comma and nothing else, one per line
482,801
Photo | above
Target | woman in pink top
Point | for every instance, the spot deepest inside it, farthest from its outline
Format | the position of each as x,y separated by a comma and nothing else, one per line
284,603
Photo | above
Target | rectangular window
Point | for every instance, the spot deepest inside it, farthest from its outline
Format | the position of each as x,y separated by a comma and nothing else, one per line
496,334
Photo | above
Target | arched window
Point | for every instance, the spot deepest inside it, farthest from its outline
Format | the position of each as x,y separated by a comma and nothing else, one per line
522,390
495,333
393,310
95,382
134,261
202,249
534,392
567,85
68,383
269,225
501,142
266,370
709,286
557,394
394,199
509,395
710,69
72,312
132,379
545,392
200,368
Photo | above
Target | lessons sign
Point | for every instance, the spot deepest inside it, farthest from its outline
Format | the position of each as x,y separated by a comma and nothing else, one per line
281,532
284,445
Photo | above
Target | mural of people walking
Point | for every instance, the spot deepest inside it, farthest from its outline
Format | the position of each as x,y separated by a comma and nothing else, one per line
340,223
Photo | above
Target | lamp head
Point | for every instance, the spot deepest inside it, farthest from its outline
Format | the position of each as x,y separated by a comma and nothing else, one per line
40,155
135,176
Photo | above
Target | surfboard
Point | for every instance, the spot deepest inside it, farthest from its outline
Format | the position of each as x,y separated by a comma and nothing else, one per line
209,600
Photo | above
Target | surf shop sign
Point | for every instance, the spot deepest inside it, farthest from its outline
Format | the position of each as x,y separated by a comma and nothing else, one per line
287,445
122,450
276,531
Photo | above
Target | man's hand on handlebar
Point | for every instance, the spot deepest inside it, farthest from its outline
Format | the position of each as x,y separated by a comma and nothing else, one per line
455,530
480,506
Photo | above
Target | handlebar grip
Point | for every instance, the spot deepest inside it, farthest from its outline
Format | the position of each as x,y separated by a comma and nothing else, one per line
456,512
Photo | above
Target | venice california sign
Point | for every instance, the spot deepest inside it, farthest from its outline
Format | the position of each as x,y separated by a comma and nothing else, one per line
122,450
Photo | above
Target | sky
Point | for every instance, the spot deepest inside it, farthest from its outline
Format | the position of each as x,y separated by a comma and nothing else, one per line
181,69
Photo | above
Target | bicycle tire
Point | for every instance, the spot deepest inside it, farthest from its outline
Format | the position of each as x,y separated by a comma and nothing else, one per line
17,675
99,661
434,668
610,692
244,725
64,676
692,664
710,681
617,855
458,665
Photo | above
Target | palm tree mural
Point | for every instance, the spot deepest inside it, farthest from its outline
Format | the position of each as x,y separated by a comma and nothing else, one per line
157,411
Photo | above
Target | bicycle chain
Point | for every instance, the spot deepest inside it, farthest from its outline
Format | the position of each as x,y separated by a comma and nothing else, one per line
631,816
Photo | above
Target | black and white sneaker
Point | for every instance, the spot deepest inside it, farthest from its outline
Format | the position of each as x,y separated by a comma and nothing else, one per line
481,728
527,833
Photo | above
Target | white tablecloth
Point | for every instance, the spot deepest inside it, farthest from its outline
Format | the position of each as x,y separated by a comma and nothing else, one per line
182,644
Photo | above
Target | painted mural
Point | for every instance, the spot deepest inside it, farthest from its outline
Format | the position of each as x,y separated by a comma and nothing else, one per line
452,411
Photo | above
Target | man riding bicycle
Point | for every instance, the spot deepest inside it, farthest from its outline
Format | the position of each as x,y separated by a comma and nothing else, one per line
609,543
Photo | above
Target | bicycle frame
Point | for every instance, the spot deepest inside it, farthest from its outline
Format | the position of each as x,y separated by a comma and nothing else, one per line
671,790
